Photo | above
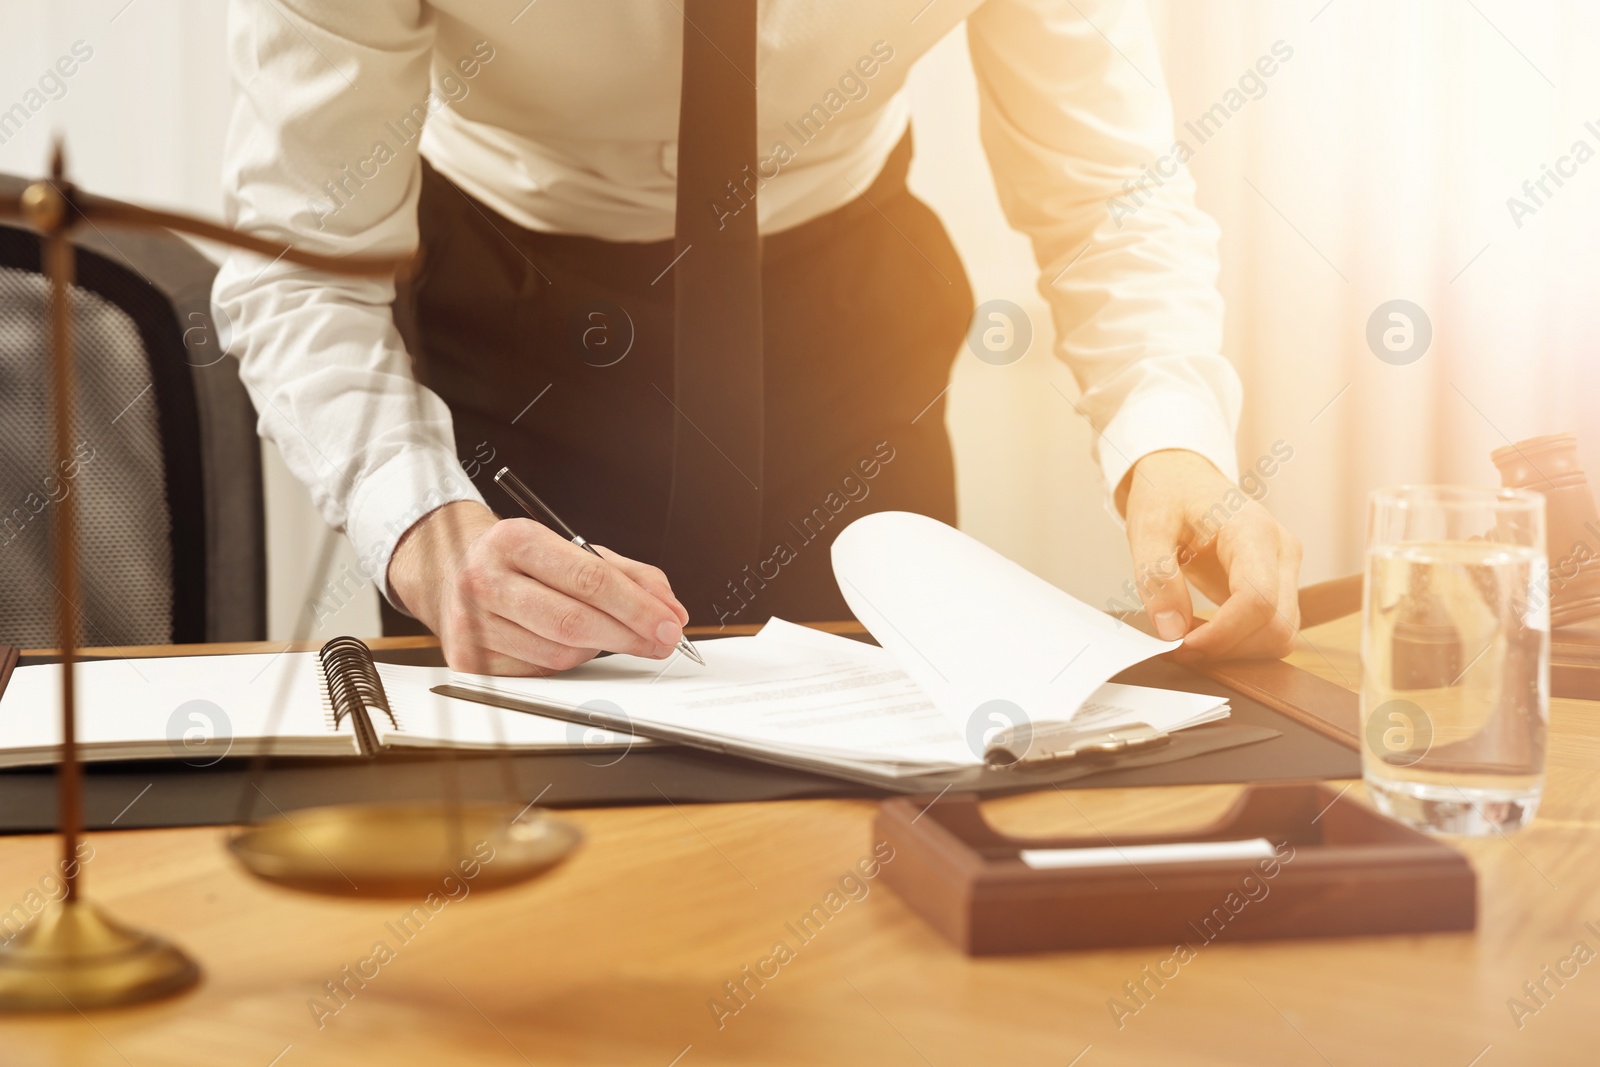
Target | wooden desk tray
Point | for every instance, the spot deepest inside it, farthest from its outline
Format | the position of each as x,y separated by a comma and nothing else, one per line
1340,868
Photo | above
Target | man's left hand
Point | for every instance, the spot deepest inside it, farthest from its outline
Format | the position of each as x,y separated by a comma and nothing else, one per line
1186,523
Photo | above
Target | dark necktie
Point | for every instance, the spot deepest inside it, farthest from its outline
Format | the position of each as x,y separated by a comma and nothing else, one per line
714,517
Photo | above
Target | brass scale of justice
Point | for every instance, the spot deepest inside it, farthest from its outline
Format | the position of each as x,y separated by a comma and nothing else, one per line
74,955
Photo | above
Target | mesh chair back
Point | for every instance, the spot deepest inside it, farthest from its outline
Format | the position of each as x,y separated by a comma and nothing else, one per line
166,466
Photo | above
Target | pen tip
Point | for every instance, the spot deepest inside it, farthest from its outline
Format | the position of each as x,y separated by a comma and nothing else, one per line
689,650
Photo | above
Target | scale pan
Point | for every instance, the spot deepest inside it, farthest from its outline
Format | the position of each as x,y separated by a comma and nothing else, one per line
389,851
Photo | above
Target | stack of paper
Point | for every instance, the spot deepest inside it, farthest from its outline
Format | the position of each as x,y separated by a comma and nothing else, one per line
796,692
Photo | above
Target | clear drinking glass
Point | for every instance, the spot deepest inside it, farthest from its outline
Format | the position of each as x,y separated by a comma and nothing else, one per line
1455,657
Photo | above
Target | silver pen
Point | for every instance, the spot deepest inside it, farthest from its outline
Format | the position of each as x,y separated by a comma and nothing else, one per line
531,503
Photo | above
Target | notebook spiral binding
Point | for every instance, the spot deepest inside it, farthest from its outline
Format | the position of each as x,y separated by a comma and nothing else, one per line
354,687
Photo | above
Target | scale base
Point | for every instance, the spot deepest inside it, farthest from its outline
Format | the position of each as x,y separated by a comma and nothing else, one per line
73,956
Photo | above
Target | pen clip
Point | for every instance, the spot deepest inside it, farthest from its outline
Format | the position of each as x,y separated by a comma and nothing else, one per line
1032,744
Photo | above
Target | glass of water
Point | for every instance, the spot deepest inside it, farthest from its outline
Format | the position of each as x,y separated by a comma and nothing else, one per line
1455,657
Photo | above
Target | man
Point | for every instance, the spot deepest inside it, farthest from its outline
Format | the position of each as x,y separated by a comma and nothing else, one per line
673,278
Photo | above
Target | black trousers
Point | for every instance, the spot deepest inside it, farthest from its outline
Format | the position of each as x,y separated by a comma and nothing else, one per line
554,354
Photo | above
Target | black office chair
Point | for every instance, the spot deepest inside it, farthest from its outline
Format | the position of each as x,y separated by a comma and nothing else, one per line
168,470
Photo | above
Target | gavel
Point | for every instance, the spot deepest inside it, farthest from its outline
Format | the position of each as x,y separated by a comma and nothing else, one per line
1549,465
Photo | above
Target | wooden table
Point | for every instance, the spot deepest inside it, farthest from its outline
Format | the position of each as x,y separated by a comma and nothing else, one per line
616,959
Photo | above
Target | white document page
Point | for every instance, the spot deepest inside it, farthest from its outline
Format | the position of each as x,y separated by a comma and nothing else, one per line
789,689
972,628
1114,705
195,708
426,719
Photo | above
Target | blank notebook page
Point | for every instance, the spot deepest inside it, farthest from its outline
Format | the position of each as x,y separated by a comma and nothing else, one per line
149,705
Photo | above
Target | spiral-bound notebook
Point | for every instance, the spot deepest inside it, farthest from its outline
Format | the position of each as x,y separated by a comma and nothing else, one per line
336,702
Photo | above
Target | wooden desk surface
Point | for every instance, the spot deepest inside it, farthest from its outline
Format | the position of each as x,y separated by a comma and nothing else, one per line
614,960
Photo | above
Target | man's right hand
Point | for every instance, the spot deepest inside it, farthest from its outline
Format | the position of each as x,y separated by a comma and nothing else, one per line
513,597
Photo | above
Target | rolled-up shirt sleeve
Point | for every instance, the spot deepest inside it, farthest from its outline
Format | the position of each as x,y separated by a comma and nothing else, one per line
1077,124
317,156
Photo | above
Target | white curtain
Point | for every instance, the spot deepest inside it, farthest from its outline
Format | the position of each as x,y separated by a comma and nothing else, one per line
1377,166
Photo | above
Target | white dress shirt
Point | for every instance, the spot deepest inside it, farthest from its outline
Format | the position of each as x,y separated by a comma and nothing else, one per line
562,116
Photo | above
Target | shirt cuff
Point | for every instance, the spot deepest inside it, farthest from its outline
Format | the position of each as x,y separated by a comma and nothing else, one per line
390,500
1163,420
